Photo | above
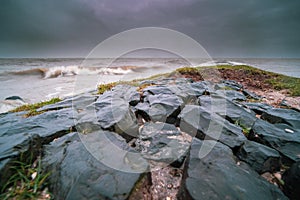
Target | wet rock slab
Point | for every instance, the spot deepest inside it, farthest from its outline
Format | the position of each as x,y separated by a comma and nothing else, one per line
17,134
285,116
77,172
260,157
113,111
162,142
218,175
288,144
196,121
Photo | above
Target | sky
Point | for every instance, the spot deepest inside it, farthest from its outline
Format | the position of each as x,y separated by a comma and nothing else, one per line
225,28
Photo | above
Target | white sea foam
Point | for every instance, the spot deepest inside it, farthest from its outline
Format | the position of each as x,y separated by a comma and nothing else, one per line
72,70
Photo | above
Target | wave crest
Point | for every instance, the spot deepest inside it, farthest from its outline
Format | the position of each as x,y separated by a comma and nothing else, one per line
61,71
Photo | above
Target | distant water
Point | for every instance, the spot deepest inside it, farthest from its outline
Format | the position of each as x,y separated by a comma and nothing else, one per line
40,79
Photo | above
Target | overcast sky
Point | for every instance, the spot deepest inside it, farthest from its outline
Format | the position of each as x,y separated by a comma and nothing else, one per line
225,28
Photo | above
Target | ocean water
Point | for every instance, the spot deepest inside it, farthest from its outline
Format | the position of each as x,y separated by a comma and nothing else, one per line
40,79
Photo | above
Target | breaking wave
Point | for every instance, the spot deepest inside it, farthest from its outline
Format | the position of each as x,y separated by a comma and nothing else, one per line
61,71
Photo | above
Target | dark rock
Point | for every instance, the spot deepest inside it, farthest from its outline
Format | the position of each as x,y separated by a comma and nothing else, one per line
201,88
238,114
233,112
286,116
78,102
162,142
113,112
286,143
198,122
205,101
231,95
19,130
185,92
251,95
161,107
291,180
232,84
218,176
285,104
260,157
86,121
258,108
14,98
17,134
80,167
134,98
157,89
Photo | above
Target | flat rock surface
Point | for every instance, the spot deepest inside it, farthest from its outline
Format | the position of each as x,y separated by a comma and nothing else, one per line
76,174
219,176
260,157
162,142
277,138
196,121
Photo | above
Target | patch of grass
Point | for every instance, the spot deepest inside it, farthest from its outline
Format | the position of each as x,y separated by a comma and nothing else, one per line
281,82
188,70
32,108
27,182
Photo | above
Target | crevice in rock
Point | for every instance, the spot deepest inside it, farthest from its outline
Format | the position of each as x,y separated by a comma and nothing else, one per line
142,188
166,181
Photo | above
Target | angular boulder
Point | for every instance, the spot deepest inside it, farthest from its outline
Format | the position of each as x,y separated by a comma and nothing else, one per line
288,144
219,176
160,107
25,133
113,112
285,116
162,142
196,121
79,171
260,157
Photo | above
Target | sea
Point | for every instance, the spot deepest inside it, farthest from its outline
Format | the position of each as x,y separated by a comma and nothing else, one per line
30,80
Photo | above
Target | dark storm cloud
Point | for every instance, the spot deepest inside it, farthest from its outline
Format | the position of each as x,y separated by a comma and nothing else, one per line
224,28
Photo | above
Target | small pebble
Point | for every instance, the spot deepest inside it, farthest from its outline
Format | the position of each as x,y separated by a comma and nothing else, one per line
33,175
289,130
169,186
278,176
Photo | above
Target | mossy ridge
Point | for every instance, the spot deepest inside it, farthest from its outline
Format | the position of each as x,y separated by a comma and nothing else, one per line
32,108
276,81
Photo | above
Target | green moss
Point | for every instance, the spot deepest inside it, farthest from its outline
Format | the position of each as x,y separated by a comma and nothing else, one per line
105,87
32,108
27,182
246,130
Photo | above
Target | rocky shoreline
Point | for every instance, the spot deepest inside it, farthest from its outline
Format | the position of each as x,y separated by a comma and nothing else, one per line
176,137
